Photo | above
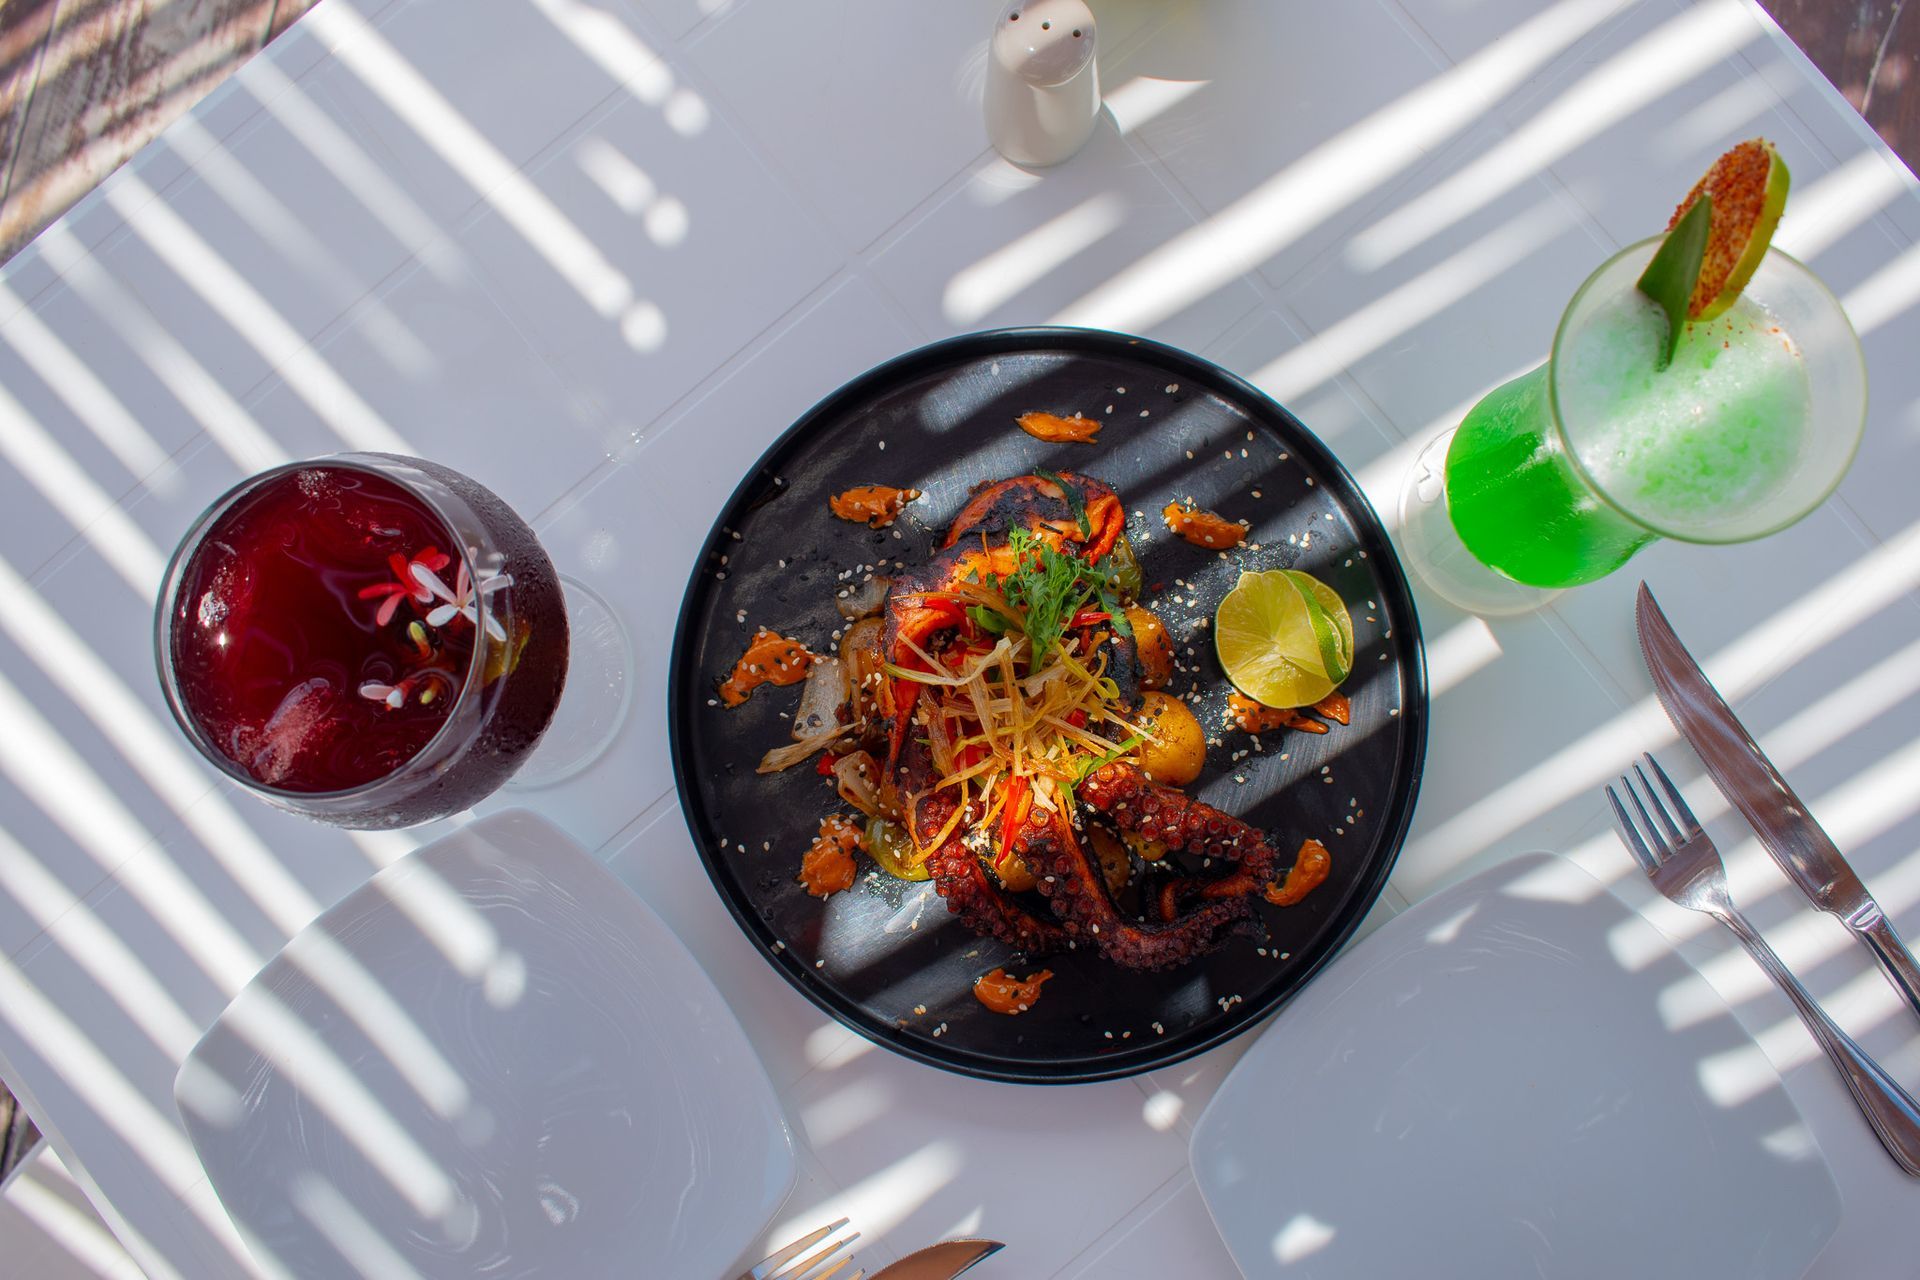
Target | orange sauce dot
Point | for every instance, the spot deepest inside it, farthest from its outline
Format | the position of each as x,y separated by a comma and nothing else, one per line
1001,992
1203,528
1309,872
1055,429
827,867
770,659
874,504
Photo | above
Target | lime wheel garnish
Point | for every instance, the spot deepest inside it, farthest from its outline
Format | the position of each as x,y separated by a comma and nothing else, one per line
1748,187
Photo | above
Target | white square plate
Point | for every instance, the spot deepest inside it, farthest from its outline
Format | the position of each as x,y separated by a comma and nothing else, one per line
492,1059
1492,1084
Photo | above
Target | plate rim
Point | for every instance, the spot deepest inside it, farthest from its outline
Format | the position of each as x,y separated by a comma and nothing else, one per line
1445,902
513,820
1395,585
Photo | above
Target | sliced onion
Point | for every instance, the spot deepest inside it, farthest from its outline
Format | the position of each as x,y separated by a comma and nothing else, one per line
941,744
822,698
860,656
857,775
805,749
864,599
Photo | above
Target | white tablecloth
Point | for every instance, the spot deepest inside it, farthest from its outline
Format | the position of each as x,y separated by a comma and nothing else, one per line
597,252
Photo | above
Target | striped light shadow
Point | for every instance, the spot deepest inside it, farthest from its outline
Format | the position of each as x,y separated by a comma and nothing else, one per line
299,1056
48,770
357,1241
572,255
1137,101
85,396
155,752
1332,176
97,951
1844,601
1637,76
1730,112
1373,326
1008,271
288,233
251,317
86,1070
1824,211
613,46
71,491
77,1233
230,426
357,172
1885,295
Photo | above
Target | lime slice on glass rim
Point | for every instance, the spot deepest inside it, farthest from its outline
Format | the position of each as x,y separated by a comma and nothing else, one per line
1717,238
1284,637
1748,187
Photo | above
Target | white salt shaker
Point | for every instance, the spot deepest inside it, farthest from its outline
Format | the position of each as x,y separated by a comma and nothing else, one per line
1043,84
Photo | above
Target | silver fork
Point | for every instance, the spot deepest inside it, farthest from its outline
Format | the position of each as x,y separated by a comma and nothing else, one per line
787,1264
1685,867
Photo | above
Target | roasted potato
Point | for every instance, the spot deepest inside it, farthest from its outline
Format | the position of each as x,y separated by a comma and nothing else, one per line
1176,748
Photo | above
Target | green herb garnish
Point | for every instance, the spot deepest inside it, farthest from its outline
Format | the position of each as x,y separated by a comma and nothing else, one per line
1674,271
1075,502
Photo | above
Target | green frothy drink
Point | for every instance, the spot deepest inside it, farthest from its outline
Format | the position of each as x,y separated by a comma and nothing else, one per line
1557,477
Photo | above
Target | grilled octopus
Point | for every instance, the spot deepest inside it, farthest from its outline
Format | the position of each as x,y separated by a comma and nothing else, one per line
1189,914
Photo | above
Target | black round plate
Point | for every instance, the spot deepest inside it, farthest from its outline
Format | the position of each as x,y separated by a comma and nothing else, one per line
885,957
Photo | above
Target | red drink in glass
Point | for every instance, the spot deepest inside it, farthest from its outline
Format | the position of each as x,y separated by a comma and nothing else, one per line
370,640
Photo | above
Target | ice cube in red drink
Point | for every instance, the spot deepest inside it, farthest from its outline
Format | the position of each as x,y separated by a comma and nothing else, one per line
311,646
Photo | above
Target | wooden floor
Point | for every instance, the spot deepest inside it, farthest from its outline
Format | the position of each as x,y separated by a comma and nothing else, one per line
86,83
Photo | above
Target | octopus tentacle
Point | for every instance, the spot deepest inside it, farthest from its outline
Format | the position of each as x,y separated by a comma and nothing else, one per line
1136,803
1077,891
970,892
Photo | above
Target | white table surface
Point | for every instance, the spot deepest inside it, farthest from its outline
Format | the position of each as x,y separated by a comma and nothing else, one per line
597,252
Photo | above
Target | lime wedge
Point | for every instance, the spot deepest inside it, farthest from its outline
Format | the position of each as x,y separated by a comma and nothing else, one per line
1284,637
1749,189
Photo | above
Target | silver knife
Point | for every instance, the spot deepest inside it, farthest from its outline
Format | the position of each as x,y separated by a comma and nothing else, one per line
941,1261
1754,787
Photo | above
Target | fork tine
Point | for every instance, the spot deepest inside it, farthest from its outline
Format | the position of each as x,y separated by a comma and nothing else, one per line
1651,830
1630,835
834,1270
1671,827
780,1257
1688,822
804,1269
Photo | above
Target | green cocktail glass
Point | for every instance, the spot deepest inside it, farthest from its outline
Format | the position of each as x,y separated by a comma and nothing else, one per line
1558,477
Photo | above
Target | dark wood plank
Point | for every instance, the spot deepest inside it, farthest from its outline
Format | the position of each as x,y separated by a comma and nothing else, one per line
1870,50
112,75
24,26
286,13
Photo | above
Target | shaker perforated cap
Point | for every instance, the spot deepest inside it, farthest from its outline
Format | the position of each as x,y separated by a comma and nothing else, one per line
1044,42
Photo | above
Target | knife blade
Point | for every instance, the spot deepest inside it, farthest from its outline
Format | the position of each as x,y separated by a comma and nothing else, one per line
1753,786
941,1261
